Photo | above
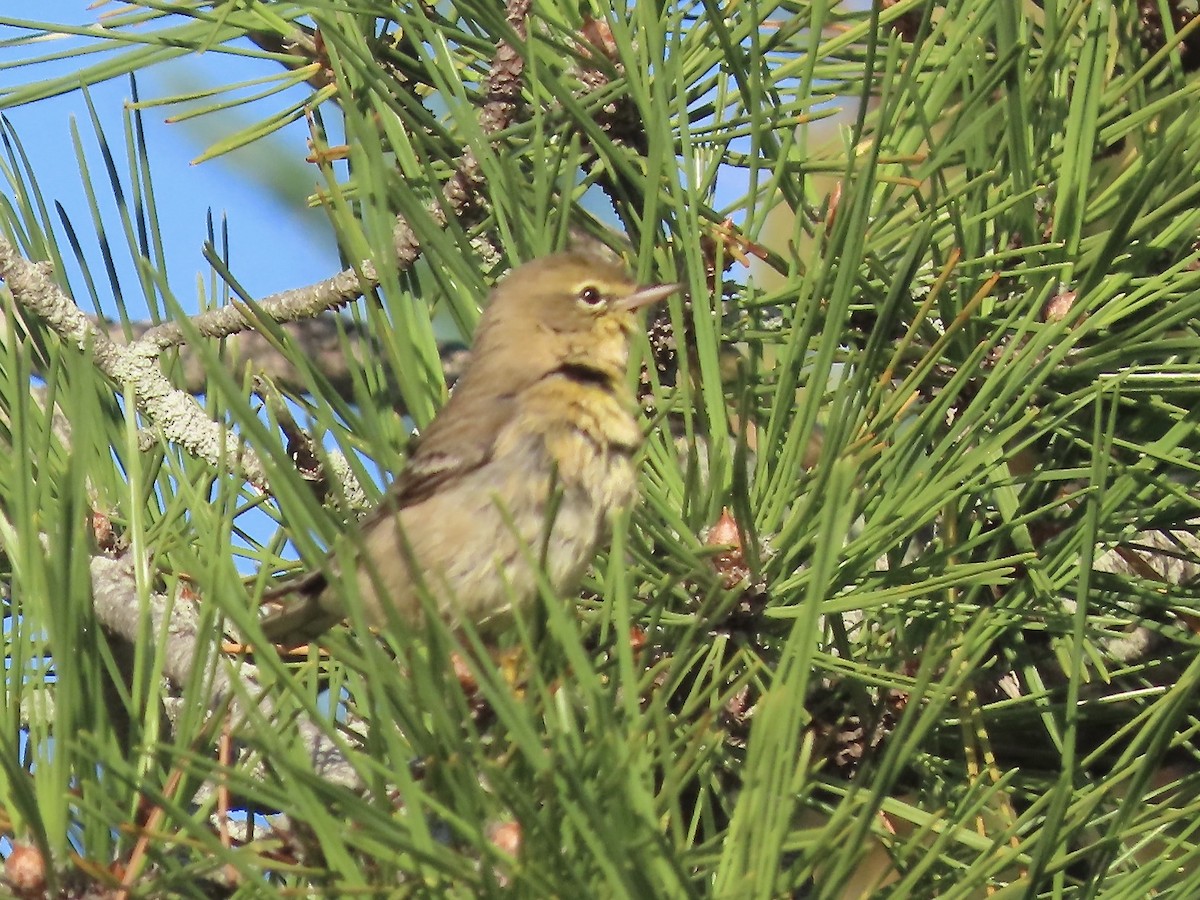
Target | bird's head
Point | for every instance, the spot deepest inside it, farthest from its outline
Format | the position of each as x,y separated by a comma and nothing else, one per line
566,309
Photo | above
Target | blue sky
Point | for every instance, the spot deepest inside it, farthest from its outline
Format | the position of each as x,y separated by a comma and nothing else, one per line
276,242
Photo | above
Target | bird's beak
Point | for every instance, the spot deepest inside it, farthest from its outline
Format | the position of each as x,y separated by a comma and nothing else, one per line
647,294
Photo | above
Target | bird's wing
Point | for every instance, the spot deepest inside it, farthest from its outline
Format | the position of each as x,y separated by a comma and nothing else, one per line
454,446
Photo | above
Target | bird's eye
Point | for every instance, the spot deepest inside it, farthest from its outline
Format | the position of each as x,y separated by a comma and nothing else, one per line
591,296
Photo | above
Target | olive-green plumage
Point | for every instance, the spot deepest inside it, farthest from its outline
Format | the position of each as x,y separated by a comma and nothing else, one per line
531,457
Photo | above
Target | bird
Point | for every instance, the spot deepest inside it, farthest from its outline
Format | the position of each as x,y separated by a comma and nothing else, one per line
525,467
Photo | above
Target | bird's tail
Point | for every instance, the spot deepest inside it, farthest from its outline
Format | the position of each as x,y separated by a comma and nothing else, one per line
295,612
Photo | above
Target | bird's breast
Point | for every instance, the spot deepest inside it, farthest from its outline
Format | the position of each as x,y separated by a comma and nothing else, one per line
560,469
588,436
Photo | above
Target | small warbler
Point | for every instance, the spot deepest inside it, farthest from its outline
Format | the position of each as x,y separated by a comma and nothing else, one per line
531,459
